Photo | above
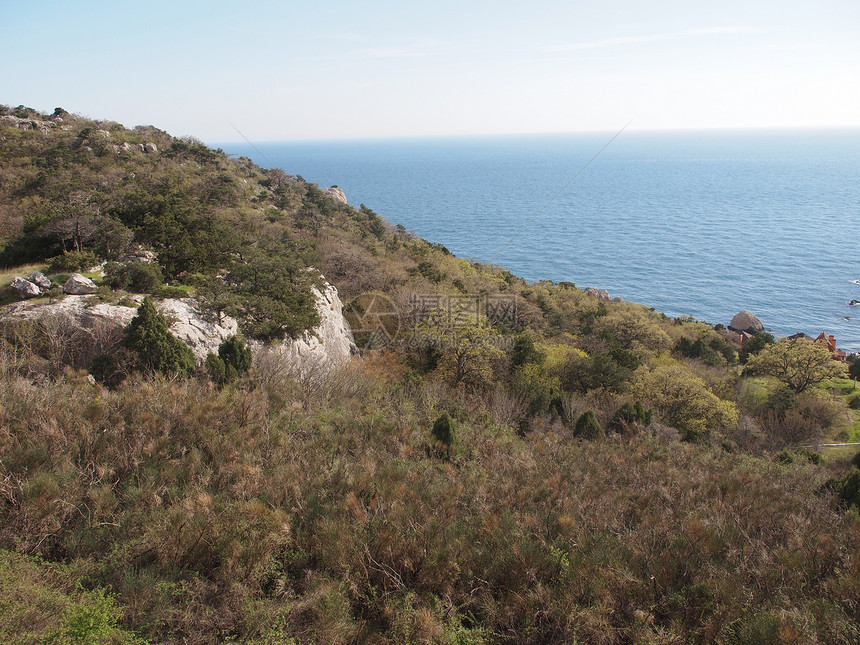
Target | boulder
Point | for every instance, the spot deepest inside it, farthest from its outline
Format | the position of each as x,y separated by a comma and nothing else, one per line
335,193
746,321
150,148
602,294
23,288
78,285
41,280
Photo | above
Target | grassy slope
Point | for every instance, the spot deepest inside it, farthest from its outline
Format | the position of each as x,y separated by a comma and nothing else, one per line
281,510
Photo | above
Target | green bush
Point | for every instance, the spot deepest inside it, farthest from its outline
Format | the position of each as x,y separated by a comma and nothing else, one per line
71,261
148,335
445,431
629,416
587,426
235,353
137,277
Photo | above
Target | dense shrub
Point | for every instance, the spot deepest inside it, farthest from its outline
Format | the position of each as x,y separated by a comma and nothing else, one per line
587,426
137,277
71,261
157,349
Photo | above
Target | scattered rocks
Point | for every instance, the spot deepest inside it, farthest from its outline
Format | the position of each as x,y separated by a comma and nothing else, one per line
746,321
40,280
26,124
23,288
601,294
78,285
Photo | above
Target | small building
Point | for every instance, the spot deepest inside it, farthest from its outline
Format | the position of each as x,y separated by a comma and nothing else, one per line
838,354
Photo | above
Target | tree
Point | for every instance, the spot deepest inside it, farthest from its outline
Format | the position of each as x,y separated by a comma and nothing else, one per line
148,335
754,345
467,351
681,399
236,356
797,363
445,431
587,426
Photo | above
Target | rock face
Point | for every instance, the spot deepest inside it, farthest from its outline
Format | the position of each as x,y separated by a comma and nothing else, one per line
315,352
78,285
746,321
24,288
40,280
201,331
335,193
328,344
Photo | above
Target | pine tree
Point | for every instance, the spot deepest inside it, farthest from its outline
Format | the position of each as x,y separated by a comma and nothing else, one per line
148,335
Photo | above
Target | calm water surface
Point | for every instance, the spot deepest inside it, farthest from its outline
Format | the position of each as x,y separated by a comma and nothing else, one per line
700,223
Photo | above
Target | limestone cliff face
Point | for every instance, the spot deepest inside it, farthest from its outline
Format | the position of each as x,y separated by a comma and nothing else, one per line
328,344
319,349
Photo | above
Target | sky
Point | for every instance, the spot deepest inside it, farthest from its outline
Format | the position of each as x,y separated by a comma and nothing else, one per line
327,69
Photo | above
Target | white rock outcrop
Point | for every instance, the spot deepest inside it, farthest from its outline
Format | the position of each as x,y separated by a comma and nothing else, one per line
335,193
325,346
200,330
316,351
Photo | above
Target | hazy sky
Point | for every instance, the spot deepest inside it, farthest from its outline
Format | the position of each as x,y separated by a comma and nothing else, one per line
377,68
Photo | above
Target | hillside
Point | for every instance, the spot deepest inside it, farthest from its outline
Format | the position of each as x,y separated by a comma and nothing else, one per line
501,462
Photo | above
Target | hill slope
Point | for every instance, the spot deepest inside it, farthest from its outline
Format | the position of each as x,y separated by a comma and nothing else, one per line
504,462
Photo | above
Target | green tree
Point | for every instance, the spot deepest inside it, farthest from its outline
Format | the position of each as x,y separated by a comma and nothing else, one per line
797,363
236,356
467,349
445,431
681,399
754,345
587,426
148,335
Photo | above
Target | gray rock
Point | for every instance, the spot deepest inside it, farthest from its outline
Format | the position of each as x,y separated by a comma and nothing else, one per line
41,280
138,147
602,294
746,321
103,134
78,285
23,288
151,148
335,193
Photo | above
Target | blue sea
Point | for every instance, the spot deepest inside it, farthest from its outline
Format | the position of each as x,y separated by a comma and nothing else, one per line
701,223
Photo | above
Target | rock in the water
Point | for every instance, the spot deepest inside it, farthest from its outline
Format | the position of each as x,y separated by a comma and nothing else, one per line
41,280
854,303
746,321
24,288
79,285
335,193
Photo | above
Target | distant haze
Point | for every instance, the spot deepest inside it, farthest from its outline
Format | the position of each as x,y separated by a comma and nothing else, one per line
274,71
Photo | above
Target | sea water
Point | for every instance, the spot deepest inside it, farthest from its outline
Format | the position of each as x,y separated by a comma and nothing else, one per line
700,223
